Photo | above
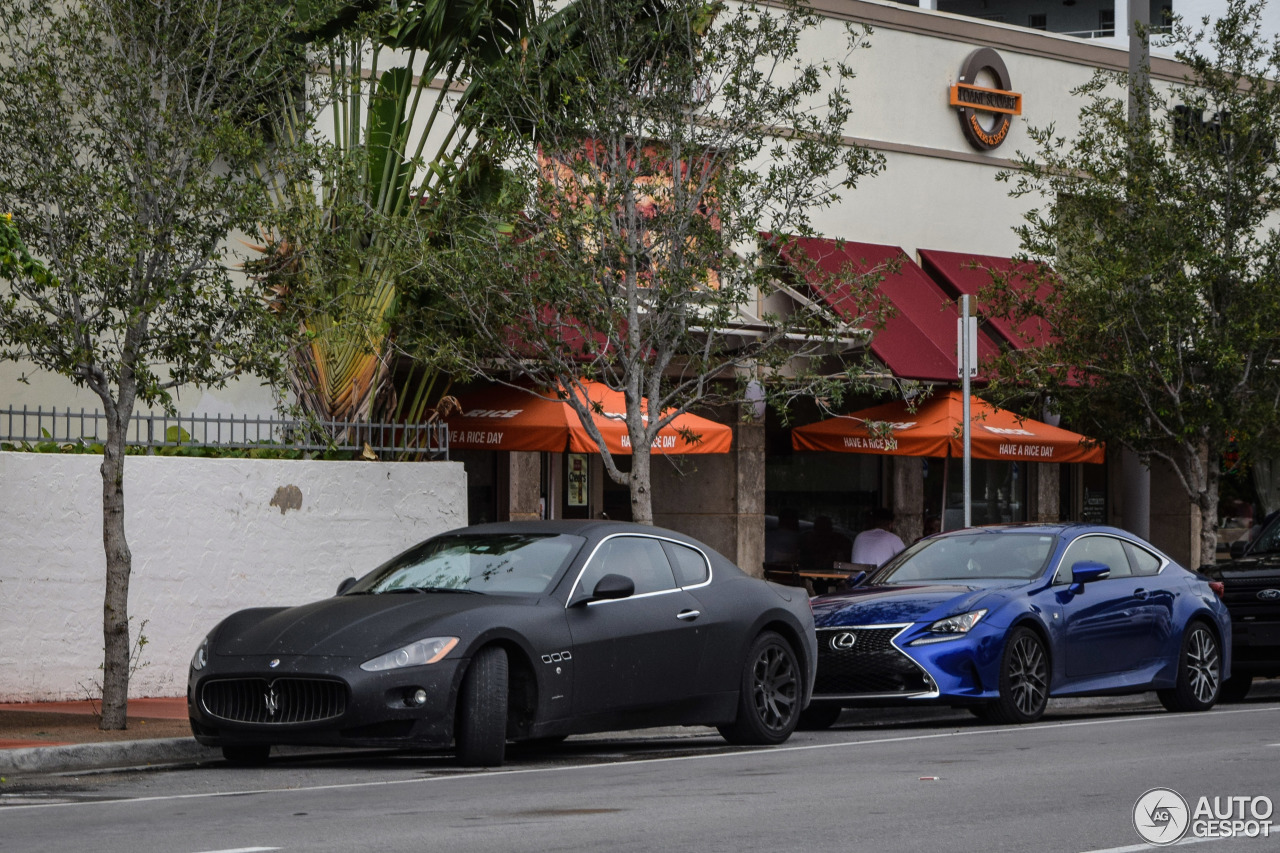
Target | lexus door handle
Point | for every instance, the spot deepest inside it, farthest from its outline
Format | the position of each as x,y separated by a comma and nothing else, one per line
688,615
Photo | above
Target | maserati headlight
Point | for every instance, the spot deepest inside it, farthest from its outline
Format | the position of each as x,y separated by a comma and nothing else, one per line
422,652
961,624
201,658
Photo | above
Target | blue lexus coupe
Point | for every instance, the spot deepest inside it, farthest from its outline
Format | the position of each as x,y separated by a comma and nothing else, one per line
999,619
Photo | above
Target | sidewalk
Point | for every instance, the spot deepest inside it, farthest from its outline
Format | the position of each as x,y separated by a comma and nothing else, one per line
49,737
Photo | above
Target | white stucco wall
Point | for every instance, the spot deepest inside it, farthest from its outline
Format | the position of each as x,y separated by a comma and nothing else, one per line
206,541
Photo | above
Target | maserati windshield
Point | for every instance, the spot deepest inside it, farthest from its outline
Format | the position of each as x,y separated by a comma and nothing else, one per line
971,556
492,563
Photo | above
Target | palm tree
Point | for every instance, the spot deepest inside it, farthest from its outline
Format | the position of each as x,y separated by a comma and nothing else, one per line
344,239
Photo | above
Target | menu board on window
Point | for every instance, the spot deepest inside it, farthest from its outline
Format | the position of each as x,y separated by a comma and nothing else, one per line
577,479
1095,507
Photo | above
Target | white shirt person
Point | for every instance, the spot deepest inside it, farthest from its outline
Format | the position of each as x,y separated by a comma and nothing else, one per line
878,544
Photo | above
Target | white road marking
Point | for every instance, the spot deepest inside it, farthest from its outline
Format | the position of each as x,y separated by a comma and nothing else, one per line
489,774
1147,848
244,850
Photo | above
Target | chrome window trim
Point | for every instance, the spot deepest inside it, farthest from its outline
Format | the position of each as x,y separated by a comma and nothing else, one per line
698,551
573,590
1164,561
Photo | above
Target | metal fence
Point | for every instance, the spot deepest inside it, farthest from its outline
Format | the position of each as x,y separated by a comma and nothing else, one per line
35,426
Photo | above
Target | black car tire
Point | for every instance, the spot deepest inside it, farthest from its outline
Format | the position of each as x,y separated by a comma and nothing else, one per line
982,712
1024,681
819,716
1199,672
769,694
1235,688
480,732
247,755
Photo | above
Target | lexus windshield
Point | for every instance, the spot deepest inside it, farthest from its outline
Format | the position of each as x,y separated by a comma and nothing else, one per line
970,556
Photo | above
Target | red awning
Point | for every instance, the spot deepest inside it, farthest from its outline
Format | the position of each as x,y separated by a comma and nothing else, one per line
919,341
504,418
967,273
933,429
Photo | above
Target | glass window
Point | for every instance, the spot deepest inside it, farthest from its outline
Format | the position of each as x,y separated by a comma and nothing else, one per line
691,567
1095,549
637,557
498,563
971,556
1144,563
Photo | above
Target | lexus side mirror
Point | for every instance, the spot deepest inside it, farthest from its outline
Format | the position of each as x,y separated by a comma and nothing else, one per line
1087,571
346,585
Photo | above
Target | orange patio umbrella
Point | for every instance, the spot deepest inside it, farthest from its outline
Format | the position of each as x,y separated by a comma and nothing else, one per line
503,418
933,429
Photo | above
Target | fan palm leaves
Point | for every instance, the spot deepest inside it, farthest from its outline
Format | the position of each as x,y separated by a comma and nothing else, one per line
394,144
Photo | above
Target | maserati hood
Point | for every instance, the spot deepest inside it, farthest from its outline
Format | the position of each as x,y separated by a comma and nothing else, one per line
346,625
887,605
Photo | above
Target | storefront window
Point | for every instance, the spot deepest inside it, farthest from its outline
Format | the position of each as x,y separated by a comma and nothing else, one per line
998,492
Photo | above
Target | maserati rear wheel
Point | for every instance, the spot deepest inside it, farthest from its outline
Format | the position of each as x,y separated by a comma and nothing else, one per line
1199,672
480,729
1024,680
768,695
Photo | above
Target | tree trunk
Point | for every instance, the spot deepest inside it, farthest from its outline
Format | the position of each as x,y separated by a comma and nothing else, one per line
115,607
641,482
1207,501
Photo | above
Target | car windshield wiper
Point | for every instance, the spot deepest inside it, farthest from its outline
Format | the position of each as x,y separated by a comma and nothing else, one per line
426,589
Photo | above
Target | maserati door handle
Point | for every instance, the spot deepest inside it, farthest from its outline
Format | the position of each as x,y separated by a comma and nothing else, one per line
688,615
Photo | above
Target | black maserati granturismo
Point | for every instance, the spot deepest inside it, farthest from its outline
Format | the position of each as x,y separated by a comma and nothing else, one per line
512,632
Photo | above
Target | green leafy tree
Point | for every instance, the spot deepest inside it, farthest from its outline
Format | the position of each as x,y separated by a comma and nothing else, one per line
132,132
649,145
1160,260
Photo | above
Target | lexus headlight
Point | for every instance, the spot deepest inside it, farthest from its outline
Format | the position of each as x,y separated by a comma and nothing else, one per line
415,654
201,658
961,624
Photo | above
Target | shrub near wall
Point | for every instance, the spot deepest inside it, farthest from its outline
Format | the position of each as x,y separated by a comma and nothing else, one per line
208,537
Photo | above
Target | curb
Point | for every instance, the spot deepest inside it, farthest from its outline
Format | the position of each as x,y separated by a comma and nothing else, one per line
112,754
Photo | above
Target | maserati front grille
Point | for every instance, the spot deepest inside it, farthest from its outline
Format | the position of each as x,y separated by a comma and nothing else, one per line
281,700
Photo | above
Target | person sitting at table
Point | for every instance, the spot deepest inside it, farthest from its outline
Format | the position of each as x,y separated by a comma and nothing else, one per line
877,544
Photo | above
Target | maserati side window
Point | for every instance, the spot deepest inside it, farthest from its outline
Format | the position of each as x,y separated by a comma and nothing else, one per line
637,557
691,567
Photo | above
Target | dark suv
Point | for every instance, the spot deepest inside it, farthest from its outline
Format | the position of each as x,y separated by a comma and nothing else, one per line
1251,591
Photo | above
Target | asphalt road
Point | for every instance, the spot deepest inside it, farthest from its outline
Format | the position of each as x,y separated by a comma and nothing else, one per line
921,781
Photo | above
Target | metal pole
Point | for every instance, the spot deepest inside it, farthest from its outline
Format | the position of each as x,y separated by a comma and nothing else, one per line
966,362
